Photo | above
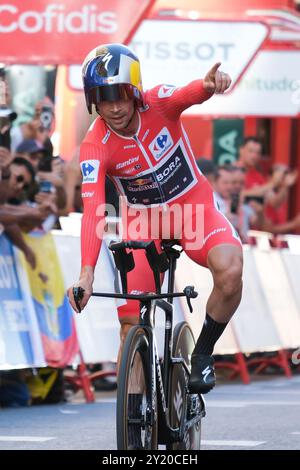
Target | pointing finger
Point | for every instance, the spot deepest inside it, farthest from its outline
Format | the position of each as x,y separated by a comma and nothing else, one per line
214,69
218,81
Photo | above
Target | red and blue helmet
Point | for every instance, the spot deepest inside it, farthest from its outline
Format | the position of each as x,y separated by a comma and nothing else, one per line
111,72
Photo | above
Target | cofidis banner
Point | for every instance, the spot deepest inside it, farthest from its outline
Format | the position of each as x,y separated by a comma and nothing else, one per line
54,314
20,340
64,31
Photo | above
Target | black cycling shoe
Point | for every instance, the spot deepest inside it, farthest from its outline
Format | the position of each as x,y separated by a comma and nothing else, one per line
202,378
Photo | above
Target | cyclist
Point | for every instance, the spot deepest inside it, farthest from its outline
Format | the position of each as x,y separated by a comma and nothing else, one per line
139,142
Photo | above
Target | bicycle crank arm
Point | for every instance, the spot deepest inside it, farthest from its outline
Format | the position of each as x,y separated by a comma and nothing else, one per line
182,362
193,421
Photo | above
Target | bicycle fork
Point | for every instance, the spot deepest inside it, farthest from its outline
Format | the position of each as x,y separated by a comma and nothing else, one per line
159,381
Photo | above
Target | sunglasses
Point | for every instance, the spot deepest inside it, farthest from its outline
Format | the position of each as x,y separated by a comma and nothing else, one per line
21,179
6,173
35,156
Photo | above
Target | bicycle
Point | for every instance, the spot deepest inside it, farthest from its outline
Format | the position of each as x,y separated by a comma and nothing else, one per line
154,406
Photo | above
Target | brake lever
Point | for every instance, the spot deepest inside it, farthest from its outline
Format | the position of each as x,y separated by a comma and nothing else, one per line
190,293
78,293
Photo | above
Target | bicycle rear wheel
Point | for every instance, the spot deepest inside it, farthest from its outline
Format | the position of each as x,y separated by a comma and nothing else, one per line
183,406
136,401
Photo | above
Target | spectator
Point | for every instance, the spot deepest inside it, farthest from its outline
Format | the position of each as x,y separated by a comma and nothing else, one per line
208,168
6,118
19,176
248,214
31,151
45,117
73,180
22,175
250,153
254,217
49,169
229,185
5,160
7,115
291,226
256,184
10,214
223,188
54,175
16,176
35,128
286,178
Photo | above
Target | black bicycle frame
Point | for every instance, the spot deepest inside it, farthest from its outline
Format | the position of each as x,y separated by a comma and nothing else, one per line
148,304
159,384
147,321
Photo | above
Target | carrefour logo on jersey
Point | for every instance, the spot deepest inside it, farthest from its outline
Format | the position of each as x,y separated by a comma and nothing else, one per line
161,144
89,170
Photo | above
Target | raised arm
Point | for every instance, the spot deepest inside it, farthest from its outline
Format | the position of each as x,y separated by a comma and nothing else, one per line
171,101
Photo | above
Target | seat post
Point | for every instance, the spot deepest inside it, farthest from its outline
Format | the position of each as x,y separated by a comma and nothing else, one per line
173,255
157,281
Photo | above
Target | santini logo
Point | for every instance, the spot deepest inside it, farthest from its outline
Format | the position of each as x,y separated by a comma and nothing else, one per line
90,169
128,162
87,194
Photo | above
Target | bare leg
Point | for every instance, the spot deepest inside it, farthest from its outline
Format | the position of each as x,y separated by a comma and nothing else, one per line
225,263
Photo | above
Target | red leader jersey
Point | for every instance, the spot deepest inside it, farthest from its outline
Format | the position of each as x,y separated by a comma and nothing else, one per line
153,167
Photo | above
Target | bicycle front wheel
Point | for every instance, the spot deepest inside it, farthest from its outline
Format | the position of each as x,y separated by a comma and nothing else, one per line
182,406
136,400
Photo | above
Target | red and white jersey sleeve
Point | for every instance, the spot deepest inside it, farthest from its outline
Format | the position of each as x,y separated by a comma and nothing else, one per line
93,168
171,101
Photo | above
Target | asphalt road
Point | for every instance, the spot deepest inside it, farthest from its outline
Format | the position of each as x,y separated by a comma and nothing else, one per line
262,415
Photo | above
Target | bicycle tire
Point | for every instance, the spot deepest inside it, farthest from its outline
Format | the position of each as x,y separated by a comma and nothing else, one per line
183,345
134,396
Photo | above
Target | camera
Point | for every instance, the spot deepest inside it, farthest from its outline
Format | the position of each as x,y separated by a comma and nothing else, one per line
258,199
6,118
5,139
45,164
46,117
46,187
235,201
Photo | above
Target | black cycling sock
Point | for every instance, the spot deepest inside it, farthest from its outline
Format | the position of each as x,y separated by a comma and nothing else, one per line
210,333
